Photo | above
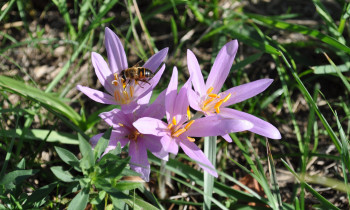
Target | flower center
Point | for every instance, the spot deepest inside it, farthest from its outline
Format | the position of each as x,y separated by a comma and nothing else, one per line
211,102
134,135
176,131
123,92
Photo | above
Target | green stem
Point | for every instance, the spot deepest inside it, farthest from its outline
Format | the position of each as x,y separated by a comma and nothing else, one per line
210,152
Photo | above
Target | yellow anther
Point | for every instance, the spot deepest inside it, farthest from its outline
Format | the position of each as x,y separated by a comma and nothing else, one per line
227,97
217,110
210,90
170,126
218,104
126,94
213,95
191,139
206,102
179,132
189,124
121,125
115,82
174,120
188,113
124,85
131,90
115,76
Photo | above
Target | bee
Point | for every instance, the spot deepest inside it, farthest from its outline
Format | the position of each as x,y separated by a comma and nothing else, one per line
136,73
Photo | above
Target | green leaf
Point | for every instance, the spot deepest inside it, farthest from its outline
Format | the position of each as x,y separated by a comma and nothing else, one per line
40,194
41,135
22,164
88,160
126,185
328,69
210,152
36,94
68,158
14,178
272,22
80,200
102,143
62,174
97,200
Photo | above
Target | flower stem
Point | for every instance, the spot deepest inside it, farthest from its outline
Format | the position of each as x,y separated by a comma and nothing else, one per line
210,152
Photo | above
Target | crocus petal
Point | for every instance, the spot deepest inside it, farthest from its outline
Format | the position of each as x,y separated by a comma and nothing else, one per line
194,100
181,103
103,72
139,161
169,144
130,107
197,155
157,108
115,52
195,72
108,117
148,125
145,99
170,96
153,144
216,126
97,95
154,62
227,137
222,66
245,91
260,127
94,139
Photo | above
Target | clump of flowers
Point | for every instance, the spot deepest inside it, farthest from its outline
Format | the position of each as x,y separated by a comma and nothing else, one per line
140,124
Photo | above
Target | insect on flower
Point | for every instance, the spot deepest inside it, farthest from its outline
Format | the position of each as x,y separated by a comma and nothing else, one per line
137,74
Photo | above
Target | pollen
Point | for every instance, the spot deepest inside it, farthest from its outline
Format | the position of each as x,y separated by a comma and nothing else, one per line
206,102
213,95
210,90
174,120
191,139
179,132
189,124
170,126
188,113
121,125
227,97
115,83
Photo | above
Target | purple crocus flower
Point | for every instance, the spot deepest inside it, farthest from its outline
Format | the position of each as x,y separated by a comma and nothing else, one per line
124,132
180,129
129,95
207,97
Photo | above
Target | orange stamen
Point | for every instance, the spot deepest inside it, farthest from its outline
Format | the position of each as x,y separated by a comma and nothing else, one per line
189,124
116,95
218,104
179,132
213,95
131,90
170,126
115,82
188,113
206,102
174,121
217,110
191,139
227,97
210,90
121,125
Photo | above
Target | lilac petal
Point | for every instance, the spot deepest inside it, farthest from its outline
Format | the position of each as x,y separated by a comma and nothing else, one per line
181,103
103,72
260,127
130,107
195,72
139,161
94,140
222,66
216,126
245,91
153,145
145,99
227,137
194,100
170,96
148,125
97,95
108,117
117,119
154,62
115,52
197,155
157,108
140,92
169,144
